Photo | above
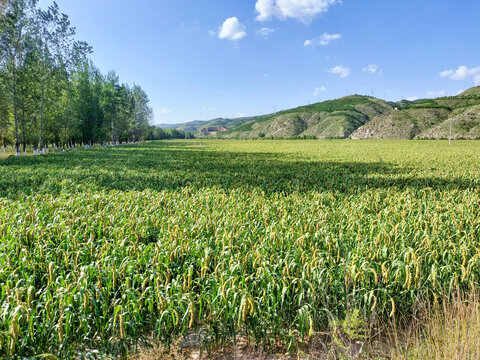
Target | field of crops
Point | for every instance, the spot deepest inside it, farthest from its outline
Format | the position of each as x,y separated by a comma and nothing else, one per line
270,239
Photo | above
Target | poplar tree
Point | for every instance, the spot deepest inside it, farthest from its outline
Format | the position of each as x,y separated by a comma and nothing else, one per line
15,43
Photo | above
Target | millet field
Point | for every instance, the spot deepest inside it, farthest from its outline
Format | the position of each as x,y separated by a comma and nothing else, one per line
269,240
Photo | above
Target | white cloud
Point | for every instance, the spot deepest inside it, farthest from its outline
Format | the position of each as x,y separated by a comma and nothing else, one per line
462,73
323,40
319,90
265,32
164,111
303,10
232,29
212,33
340,70
476,80
436,93
412,98
326,39
372,69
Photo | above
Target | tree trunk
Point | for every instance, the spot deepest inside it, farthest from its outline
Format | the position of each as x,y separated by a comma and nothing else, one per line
42,108
17,140
24,135
15,109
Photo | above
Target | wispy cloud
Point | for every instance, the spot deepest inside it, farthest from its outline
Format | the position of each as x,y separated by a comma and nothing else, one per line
371,69
232,29
339,70
265,32
323,40
319,90
303,10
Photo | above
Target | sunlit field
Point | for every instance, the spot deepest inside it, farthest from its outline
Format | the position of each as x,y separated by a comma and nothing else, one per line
270,240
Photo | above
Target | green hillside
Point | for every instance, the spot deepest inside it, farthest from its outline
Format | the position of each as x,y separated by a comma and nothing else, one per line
356,117
329,119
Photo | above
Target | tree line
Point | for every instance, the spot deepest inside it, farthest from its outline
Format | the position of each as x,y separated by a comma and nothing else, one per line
52,95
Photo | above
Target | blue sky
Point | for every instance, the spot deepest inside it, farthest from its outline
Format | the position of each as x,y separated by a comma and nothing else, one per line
201,59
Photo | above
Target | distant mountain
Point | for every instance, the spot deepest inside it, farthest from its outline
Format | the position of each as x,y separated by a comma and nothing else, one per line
167,126
355,117
200,127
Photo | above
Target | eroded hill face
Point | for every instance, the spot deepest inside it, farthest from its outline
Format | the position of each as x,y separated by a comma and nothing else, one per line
428,119
465,124
401,124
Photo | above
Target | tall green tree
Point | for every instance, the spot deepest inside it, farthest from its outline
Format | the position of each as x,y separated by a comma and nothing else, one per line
142,114
111,99
5,120
15,40
55,49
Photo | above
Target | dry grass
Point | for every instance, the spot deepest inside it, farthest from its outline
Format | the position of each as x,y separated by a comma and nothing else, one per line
449,330
242,350
446,331
5,154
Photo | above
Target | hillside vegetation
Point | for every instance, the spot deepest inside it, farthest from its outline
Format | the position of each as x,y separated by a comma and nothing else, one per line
356,117
329,119
428,119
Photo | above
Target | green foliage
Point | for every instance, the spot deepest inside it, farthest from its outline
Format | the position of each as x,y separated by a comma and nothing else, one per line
156,133
352,326
427,104
50,92
100,248
348,334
